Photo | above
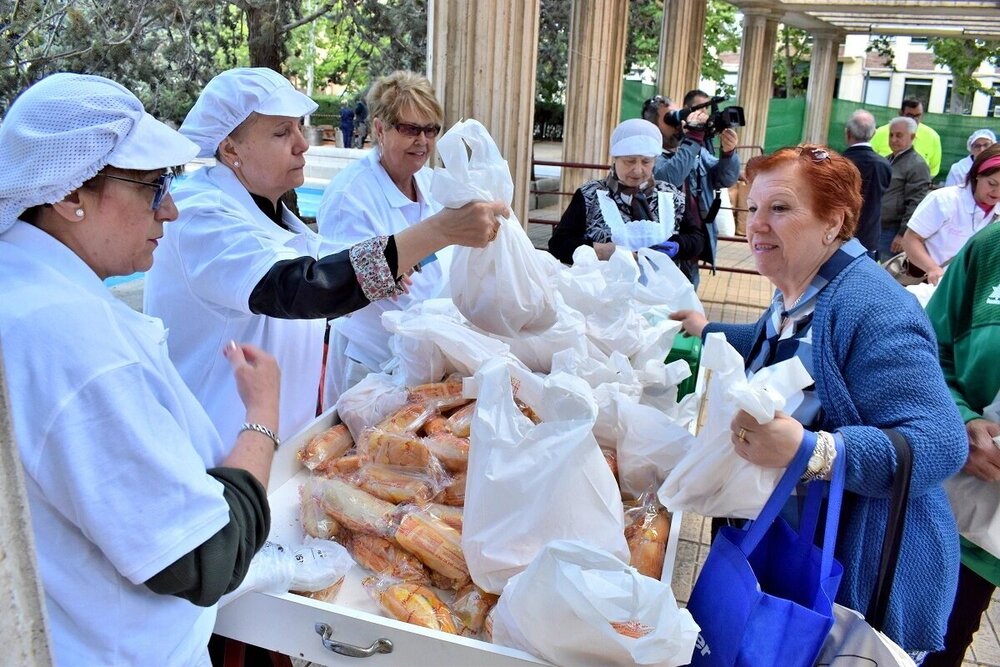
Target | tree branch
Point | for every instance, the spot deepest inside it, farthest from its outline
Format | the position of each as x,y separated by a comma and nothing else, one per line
327,6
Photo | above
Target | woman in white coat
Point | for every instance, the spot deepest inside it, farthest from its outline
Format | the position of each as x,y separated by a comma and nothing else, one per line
978,141
142,516
238,264
950,216
386,191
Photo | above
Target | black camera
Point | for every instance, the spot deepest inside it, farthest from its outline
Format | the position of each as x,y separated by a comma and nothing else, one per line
718,120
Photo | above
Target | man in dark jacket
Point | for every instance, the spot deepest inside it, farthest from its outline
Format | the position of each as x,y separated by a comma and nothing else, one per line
876,173
911,179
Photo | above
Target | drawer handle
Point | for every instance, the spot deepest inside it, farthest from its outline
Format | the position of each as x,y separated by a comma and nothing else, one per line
380,645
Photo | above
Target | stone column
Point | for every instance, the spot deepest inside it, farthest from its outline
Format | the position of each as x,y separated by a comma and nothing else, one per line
681,40
597,34
819,94
482,58
754,87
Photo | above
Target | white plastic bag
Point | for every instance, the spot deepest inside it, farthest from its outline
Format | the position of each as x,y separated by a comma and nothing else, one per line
534,483
369,402
429,346
663,284
507,287
976,502
712,479
651,447
579,605
536,350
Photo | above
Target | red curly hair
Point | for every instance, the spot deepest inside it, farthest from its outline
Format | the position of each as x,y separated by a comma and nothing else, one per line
834,182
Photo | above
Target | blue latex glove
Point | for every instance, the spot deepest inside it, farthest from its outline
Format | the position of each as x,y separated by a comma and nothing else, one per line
668,248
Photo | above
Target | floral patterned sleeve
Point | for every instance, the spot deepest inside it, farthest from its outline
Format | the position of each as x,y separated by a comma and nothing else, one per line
371,260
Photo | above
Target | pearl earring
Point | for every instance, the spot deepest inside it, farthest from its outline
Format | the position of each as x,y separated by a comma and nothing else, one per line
236,164
829,236
79,212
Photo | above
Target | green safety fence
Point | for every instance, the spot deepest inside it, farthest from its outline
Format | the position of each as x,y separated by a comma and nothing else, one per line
634,93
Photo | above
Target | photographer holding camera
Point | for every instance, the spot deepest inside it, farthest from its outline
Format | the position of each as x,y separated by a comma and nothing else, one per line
687,160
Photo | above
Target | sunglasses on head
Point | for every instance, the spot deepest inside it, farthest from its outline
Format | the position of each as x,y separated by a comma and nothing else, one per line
162,185
816,154
411,130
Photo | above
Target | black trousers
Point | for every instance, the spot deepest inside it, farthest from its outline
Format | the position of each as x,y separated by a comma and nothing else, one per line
971,600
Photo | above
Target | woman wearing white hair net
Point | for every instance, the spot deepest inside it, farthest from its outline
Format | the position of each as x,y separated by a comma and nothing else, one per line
238,264
629,208
978,141
142,516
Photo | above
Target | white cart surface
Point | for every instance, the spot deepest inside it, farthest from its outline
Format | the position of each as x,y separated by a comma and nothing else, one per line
328,634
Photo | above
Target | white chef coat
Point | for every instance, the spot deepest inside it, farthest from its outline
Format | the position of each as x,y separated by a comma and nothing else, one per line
947,218
362,202
114,449
205,268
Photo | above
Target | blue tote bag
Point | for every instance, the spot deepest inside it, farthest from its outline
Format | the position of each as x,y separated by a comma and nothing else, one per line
765,595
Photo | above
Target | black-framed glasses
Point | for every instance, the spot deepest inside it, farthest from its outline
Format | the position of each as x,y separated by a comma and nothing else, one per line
411,130
162,185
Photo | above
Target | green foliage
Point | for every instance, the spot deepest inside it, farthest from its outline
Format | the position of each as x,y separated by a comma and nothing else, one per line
791,62
963,57
722,35
553,49
645,20
881,45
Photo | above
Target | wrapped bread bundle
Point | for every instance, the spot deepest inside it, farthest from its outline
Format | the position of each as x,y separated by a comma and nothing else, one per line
411,603
401,484
487,631
436,425
320,568
471,606
355,509
383,556
451,450
454,493
440,395
401,449
460,421
325,448
435,543
646,530
313,517
450,514
344,466
407,419
611,456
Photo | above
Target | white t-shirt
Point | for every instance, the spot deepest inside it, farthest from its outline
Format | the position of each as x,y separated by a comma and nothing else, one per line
947,218
114,449
205,268
362,202
958,171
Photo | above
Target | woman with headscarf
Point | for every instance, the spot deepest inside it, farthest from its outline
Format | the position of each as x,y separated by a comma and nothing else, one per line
978,141
143,517
872,355
948,217
238,264
629,207
386,191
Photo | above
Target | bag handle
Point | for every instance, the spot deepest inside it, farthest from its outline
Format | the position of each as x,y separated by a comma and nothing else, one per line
879,603
786,485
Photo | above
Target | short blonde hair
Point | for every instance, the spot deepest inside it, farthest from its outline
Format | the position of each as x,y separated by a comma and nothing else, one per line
392,93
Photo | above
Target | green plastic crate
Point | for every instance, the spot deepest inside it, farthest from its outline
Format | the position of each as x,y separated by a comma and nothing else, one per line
687,348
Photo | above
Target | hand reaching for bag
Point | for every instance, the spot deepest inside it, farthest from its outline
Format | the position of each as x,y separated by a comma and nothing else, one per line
770,445
668,248
691,321
258,380
474,225
984,453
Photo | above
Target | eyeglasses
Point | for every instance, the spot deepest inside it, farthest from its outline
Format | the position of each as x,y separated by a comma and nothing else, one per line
411,130
162,185
817,154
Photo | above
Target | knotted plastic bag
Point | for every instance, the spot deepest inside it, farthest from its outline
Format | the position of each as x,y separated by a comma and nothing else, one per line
507,287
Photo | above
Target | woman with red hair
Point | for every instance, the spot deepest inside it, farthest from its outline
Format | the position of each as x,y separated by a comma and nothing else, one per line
873,357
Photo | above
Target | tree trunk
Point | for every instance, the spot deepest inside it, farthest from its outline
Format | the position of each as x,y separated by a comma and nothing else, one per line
265,39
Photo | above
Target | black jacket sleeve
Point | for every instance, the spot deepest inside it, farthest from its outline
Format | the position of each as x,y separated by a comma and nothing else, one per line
307,288
690,237
219,564
569,234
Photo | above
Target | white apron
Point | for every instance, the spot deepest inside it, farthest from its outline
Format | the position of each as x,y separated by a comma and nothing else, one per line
637,234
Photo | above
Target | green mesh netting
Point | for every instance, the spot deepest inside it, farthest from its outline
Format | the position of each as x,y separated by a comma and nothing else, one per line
634,93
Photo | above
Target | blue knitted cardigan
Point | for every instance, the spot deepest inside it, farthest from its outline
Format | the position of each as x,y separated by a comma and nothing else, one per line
876,367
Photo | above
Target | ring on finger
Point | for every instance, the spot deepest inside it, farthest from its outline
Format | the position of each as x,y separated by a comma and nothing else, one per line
742,434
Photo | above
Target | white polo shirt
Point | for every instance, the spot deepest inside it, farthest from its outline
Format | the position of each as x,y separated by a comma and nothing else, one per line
205,268
947,218
362,202
114,449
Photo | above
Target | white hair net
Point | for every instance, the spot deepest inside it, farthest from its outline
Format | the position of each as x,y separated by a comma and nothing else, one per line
979,134
636,137
232,96
67,127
